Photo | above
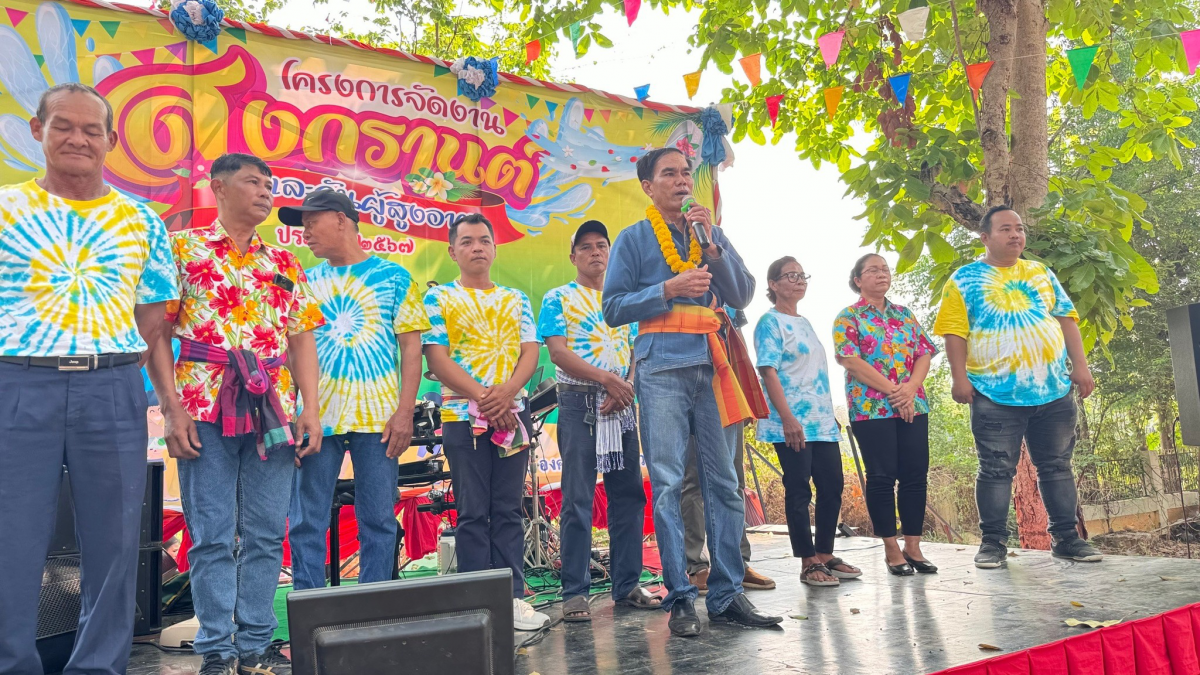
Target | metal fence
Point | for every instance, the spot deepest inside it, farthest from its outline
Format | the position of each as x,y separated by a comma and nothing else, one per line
1110,480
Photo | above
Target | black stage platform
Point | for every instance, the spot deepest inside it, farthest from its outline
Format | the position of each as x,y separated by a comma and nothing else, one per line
903,625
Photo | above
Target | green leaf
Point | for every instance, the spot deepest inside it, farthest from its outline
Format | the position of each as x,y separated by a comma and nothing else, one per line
939,248
910,253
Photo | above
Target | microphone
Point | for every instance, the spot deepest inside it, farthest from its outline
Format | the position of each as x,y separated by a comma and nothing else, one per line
697,227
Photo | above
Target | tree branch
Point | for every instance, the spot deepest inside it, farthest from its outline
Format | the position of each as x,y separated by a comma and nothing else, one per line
962,58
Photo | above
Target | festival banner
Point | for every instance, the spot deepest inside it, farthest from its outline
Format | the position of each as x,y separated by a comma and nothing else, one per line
388,131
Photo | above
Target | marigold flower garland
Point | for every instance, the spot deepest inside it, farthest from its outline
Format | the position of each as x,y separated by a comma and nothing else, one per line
666,244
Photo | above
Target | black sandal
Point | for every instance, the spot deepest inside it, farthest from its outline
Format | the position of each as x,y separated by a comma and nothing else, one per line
640,598
806,575
577,610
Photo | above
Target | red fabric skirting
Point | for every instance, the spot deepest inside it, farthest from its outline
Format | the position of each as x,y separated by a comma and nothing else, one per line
1165,644
600,506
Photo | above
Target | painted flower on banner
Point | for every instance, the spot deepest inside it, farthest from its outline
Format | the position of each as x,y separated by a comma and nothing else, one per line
439,186
22,79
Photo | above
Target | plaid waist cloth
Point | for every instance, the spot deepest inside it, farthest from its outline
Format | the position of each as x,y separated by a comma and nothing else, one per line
246,401
609,428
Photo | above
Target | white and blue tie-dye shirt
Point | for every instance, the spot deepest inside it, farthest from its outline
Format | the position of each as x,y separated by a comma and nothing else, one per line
790,346
573,312
366,305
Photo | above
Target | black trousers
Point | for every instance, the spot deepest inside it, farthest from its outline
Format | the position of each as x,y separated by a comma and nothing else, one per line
895,451
820,462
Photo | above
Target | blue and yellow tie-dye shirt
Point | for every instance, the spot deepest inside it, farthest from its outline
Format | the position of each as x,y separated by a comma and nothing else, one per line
71,272
366,306
1016,354
790,346
483,330
573,312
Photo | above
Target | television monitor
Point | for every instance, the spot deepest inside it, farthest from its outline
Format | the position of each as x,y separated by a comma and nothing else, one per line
443,625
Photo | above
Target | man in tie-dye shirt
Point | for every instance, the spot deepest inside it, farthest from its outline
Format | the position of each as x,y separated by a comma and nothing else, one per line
367,388
1014,349
483,348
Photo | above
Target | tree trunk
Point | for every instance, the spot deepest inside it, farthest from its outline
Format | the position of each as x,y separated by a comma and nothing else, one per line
1029,160
993,105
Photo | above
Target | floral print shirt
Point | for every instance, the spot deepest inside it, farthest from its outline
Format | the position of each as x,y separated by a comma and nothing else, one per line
236,301
890,341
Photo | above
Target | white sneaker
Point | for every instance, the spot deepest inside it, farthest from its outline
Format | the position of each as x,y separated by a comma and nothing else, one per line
525,617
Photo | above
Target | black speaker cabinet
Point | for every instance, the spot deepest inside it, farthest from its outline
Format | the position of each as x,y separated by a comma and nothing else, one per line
1184,326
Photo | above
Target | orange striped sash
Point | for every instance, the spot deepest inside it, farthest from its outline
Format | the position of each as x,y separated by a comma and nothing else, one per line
739,396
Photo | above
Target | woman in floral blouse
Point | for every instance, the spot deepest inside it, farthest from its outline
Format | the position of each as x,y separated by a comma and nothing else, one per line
886,354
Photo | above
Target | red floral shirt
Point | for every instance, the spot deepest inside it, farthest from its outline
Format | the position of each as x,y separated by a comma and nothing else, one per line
231,300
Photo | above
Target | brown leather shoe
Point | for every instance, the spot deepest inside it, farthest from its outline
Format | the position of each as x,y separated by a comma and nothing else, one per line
754,581
700,581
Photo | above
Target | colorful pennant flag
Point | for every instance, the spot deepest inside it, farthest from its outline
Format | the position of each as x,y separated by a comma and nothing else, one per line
211,45
1191,48
439,71
606,114
631,10
39,59
533,49
531,100
831,46
15,16
553,108
576,30
80,25
1081,63
752,66
638,112
237,33
913,23
692,82
773,107
486,103
976,74
110,27
900,86
166,23
179,50
833,98
142,28
642,93
509,116
144,56
588,113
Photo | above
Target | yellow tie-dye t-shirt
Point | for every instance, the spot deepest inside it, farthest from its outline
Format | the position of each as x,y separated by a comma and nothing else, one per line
71,272
1016,353
574,312
483,330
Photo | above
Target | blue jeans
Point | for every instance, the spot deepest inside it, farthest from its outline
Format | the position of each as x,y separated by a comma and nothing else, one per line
94,422
374,507
672,403
488,490
1049,432
626,501
230,496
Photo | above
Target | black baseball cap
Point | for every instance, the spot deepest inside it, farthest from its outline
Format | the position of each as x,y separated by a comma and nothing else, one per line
321,200
590,226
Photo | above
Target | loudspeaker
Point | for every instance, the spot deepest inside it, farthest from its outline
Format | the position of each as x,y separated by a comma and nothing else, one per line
64,543
1183,324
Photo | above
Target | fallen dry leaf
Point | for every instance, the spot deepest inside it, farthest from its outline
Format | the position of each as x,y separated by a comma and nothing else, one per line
960,549
854,610
1091,623
522,652
798,617
1076,604
989,648
1168,578
1012,554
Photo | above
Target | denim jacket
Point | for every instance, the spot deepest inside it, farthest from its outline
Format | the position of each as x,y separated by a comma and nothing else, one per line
634,290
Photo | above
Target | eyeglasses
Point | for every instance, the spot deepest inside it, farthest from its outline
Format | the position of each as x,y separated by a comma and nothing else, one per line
794,277
876,270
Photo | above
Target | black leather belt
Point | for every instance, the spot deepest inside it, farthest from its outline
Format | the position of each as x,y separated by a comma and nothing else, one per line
90,362
579,388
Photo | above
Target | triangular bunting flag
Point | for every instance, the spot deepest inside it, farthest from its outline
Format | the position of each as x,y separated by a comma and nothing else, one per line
913,23
238,34
81,25
487,103
533,49
15,16
142,28
642,92
831,46
211,45
40,59
1081,63
552,107
438,71
575,31
531,100
509,116
773,107
752,66
587,114
110,27
976,74
166,23
179,50
1191,48
692,82
638,112
631,10
900,86
144,56
606,114
833,98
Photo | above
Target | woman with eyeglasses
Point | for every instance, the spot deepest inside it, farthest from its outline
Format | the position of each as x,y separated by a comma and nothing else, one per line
886,354
802,426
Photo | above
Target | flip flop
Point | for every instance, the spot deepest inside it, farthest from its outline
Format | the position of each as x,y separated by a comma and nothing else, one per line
806,575
577,610
640,598
833,563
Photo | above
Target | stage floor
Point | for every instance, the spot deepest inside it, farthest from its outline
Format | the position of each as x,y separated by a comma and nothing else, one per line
907,625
